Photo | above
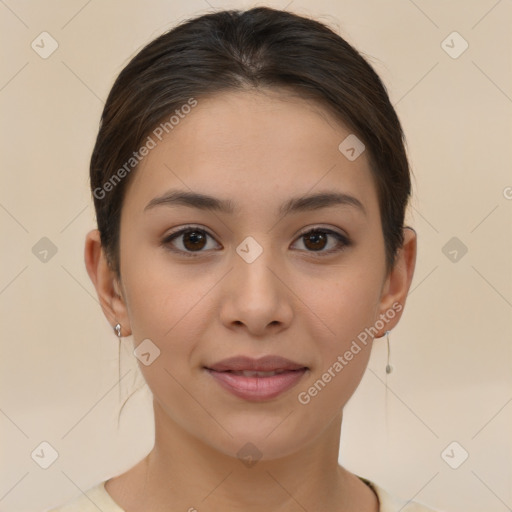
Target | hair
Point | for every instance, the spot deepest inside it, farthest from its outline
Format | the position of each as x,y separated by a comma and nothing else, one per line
260,48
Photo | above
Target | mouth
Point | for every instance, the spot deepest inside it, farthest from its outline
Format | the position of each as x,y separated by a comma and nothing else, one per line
265,364
257,386
252,373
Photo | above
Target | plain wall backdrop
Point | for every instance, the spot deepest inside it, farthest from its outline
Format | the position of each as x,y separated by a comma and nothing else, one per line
451,353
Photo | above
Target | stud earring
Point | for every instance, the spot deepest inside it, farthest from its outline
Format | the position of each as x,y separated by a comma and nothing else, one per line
117,329
389,368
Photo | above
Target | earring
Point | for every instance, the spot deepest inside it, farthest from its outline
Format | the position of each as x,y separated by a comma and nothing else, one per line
389,368
117,329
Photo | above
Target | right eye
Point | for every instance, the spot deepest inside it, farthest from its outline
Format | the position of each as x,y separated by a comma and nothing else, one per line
192,239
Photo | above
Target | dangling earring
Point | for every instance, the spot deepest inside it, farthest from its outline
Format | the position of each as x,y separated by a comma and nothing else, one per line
117,329
389,368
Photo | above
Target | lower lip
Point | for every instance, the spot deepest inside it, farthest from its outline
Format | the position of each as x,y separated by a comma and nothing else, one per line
257,388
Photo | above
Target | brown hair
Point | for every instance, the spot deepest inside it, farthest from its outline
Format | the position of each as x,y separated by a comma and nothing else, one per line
230,50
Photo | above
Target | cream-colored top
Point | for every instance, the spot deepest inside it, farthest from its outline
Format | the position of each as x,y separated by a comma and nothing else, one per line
97,498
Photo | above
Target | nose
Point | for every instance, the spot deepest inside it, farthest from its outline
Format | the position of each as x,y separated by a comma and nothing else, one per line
255,296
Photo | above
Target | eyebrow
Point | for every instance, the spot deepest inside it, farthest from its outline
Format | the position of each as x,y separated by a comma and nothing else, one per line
316,201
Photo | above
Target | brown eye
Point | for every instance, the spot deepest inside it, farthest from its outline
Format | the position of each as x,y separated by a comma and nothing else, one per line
315,241
194,240
191,240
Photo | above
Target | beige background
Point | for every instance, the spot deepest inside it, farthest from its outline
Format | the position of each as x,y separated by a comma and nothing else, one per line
452,351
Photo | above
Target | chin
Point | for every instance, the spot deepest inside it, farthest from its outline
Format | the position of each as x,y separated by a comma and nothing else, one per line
251,443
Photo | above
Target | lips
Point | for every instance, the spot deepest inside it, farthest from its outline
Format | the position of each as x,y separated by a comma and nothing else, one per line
257,379
272,363
250,373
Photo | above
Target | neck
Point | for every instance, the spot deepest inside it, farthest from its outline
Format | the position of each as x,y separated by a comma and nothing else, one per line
187,473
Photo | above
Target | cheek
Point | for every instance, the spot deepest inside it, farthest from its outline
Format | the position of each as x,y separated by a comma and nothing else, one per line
172,306
346,301
169,309
163,295
347,305
343,349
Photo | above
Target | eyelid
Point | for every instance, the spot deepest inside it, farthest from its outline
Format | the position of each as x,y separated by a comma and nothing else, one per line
319,227
303,231
188,227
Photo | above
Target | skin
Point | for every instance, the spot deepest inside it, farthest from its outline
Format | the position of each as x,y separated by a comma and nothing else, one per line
258,149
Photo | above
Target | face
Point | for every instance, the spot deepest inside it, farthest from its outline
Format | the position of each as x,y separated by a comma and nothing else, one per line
256,280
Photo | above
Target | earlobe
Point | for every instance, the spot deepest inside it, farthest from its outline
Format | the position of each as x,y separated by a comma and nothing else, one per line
399,280
105,281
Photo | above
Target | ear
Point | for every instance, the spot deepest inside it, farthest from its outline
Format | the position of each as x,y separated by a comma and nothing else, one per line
397,283
107,286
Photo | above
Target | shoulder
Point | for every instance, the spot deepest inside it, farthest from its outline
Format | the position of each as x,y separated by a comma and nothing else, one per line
390,503
96,498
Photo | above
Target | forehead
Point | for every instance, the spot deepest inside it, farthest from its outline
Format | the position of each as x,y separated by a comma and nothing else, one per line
252,146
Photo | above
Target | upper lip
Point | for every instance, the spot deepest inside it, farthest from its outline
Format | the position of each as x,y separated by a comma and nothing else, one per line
263,364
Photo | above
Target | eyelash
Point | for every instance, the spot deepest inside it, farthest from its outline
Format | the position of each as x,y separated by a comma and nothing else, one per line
343,241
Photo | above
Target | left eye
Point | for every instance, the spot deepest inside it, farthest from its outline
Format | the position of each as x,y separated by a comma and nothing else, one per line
194,240
319,236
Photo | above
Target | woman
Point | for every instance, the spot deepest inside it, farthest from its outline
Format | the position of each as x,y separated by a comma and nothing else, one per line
250,184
